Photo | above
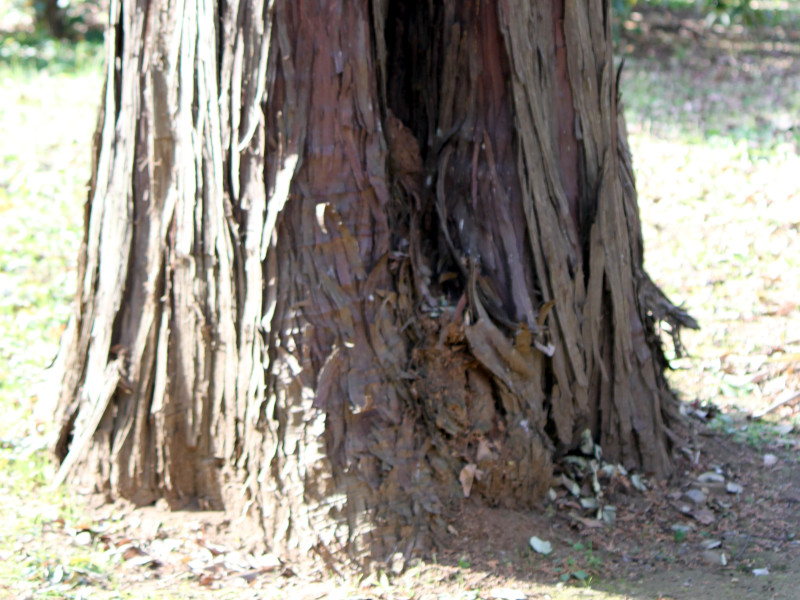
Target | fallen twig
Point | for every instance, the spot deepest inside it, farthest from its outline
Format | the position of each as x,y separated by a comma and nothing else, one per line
743,548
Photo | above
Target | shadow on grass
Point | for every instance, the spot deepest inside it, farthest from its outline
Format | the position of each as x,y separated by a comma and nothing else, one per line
710,84
22,51
749,12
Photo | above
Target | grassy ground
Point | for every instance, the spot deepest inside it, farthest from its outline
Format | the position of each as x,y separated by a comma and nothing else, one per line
713,116
716,141
46,118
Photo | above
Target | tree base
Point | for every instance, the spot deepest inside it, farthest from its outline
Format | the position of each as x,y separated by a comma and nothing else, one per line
348,263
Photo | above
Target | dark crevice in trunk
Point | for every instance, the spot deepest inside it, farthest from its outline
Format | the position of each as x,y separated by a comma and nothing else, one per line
410,58
116,65
64,440
412,67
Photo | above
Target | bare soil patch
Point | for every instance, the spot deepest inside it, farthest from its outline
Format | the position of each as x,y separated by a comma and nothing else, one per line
734,534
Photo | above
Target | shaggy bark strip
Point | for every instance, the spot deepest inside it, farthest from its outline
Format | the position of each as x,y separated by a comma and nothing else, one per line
347,262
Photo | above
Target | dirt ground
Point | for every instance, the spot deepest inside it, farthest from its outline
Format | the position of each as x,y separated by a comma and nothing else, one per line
726,526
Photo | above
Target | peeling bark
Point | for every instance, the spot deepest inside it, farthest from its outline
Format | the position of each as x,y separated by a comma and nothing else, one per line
337,251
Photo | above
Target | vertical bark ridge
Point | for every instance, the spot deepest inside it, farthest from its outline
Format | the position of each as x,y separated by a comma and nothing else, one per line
551,230
100,290
335,353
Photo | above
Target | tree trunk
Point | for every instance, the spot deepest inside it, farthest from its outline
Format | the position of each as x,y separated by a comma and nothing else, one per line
336,251
51,16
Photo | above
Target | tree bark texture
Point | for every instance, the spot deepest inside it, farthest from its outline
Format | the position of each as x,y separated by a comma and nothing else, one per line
337,251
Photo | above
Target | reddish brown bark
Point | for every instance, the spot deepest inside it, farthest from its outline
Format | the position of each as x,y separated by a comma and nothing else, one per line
567,142
337,252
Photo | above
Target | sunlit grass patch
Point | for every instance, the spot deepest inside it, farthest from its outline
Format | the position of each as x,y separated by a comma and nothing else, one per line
46,123
722,238
743,106
47,118
28,507
716,155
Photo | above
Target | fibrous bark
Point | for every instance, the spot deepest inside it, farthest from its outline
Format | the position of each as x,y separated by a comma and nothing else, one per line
336,252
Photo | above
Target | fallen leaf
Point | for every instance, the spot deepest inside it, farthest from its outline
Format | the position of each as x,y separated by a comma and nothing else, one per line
591,523
695,496
143,560
215,549
715,558
131,551
578,461
236,561
83,538
703,515
484,450
58,575
397,563
638,482
711,477
506,594
573,487
609,513
541,546
265,561
466,477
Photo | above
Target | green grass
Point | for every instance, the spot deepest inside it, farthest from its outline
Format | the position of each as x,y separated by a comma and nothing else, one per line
47,114
46,121
33,511
744,118
721,238
715,136
48,101
723,12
